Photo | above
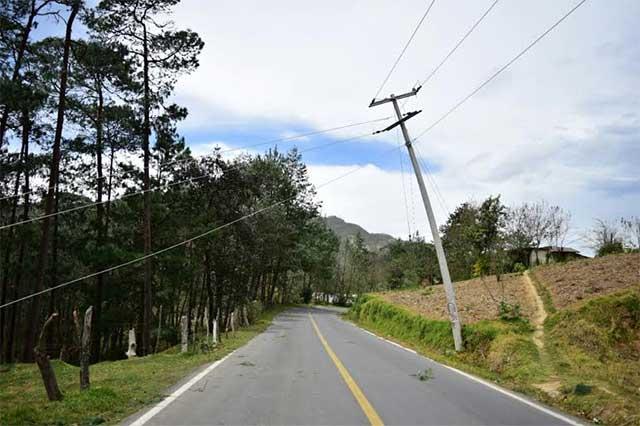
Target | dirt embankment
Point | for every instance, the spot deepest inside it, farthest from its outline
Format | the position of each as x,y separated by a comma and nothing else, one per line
580,280
478,299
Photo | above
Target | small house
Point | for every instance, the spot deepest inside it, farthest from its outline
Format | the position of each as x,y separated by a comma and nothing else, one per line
551,254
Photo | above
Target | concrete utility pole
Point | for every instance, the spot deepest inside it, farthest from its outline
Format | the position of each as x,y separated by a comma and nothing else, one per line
442,260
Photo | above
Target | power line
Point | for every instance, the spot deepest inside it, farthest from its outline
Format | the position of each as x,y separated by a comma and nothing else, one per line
160,187
284,139
504,67
395,64
404,189
432,179
182,243
452,51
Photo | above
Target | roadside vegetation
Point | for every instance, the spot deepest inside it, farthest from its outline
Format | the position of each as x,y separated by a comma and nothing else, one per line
118,388
589,360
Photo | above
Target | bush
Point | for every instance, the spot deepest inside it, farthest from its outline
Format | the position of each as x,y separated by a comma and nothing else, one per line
509,312
481,268
613,247
254,309
519,268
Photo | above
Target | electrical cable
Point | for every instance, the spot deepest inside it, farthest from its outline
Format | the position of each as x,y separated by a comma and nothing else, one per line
452,51
504,67
395,64
432,180
182,243
159,187
284,139
404,189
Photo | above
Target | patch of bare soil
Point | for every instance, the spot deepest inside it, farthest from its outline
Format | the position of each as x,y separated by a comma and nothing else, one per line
539,315
478,299
579,280
551,388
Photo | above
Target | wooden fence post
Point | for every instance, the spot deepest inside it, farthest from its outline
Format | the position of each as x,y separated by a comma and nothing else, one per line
185,334
85,351
46,371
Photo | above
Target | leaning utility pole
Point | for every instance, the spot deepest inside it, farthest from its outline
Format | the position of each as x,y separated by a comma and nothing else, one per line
442,260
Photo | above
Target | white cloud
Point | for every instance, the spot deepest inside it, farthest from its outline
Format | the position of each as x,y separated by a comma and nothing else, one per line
535,132
228,152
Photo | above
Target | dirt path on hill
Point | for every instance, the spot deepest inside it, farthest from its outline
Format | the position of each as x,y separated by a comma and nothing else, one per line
540,314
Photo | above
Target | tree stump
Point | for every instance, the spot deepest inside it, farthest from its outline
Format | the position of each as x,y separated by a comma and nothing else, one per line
85,353
44,365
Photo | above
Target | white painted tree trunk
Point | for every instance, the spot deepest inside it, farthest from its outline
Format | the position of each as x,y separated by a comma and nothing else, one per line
185,334
132,344
206,321
214,334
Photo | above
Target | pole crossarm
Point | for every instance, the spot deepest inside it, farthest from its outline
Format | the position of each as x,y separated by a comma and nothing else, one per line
413,92
397,123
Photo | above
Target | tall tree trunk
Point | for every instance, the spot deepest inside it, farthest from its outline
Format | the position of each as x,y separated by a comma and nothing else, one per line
100,231
10,344
107,218
18,64
11,240
208,284
54,267
146,326
41,268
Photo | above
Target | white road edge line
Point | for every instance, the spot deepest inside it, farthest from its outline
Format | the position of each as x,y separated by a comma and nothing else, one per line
484,382
182,389
389,341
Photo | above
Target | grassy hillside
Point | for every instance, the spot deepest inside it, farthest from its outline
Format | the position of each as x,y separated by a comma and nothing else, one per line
349,230
589,359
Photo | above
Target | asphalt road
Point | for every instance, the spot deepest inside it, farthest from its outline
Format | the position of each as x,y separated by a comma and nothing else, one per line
312,368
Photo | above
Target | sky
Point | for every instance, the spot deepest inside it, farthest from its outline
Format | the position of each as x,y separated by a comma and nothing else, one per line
562,124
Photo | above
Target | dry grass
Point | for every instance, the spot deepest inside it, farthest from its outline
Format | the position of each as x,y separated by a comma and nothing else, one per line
580,280
478,299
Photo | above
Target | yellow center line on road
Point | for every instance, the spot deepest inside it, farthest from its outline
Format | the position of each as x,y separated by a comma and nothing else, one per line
366,406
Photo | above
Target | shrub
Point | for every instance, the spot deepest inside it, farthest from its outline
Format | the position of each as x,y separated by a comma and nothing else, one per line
254,309
509,312
613,247
519,268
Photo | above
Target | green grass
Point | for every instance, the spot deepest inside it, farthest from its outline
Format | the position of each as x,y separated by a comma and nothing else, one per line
591,351
596,345
543,292
497,350
118,388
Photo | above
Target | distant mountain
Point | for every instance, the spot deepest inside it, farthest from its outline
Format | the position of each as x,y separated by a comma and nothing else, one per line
349,230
